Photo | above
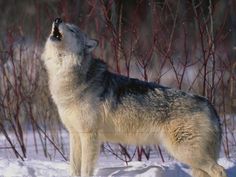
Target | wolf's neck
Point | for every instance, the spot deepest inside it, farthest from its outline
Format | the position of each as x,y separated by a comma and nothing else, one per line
79,79
69,69
95,69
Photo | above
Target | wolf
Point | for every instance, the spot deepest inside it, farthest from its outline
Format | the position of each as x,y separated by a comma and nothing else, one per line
97,105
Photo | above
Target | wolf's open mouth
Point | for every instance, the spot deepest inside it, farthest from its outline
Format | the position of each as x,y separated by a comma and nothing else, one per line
56,33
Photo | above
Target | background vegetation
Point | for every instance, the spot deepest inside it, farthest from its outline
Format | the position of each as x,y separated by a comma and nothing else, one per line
186,44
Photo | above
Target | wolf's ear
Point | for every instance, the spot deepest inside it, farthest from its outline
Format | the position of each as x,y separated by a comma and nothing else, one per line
91,44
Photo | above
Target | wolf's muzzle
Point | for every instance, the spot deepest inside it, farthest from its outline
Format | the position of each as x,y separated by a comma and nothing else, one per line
57,21
56,35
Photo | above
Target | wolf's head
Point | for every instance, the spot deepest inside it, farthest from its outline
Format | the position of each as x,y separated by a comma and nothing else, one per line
66,42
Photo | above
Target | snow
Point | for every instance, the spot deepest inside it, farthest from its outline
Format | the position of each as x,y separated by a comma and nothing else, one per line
36,165
39,168
32,168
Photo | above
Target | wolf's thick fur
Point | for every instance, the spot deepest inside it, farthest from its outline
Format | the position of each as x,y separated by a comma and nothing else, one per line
96,105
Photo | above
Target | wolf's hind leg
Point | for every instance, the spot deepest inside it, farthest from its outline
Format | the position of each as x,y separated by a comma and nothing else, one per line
202,164
196,147
90,152
214,170
75,153
200,158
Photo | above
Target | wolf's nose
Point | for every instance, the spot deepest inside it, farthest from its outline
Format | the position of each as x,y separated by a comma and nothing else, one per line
57,21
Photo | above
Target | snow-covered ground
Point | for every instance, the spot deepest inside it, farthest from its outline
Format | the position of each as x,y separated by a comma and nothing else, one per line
36,165
37,168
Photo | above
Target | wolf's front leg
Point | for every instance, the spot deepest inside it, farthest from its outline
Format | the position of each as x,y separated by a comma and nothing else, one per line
75,154
90,152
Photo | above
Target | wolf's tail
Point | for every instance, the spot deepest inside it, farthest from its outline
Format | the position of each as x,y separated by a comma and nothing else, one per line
214,112
213,115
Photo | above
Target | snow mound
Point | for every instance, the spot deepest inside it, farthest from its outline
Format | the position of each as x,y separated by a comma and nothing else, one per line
32,168
144,169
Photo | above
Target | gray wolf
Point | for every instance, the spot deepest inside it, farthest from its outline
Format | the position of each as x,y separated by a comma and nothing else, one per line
97,105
